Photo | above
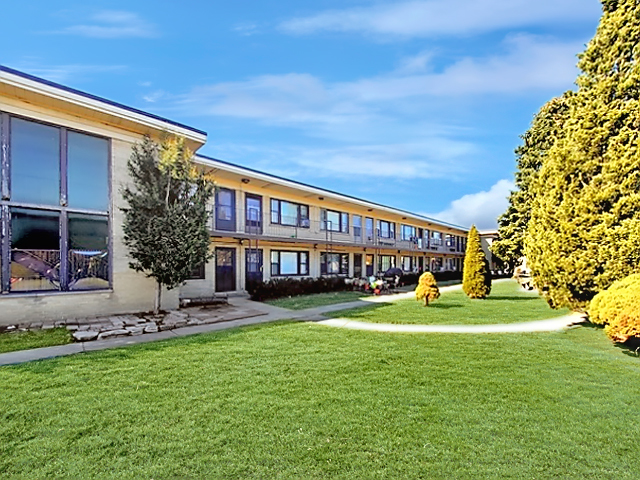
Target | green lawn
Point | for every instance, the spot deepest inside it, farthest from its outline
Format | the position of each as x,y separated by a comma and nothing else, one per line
508,303
11,342
316,300
301,400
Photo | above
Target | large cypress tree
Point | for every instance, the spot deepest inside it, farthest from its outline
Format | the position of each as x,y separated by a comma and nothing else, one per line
476,276
584,231
165,222
545,128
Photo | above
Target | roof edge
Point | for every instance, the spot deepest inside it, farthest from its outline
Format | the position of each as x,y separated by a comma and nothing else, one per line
331,192
96,98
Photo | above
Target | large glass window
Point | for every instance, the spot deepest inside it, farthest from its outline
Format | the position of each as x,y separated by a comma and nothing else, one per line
289,213
289,263
88,181
369,228
35,163
35,250
88,252
436,239
55,210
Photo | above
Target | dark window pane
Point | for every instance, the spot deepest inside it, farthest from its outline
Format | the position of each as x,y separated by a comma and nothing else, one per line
88,252
35,163
35,250
88,172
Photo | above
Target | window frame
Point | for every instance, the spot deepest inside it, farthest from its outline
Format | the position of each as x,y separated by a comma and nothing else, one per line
343,266
410,228
391,228
299,263
300,220
62,208
343,221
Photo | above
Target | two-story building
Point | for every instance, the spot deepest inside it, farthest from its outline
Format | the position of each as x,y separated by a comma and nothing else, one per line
63,163
264,226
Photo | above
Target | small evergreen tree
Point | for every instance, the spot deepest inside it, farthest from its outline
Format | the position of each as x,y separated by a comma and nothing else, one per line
165,222
476,276
427,288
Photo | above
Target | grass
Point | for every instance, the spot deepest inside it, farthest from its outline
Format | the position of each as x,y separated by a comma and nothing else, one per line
316,300
11,342
508,303
300,400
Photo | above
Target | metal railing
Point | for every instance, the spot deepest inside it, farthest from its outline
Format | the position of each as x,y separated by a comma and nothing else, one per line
225,221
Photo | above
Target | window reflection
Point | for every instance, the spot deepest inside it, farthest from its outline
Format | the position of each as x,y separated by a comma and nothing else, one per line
88,252
35,250
88,160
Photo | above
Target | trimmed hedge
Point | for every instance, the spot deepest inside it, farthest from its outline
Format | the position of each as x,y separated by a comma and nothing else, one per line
618,308
427,288
291,287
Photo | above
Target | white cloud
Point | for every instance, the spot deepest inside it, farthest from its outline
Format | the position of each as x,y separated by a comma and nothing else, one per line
430,18
65,73
525,64
153,96
434,157
246,29
481,209
112,24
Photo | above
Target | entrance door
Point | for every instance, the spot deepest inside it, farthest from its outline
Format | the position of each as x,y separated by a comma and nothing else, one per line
253,262
253,214
369,261
225,269
357,265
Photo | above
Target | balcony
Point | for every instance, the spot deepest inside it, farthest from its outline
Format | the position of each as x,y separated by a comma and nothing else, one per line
227,222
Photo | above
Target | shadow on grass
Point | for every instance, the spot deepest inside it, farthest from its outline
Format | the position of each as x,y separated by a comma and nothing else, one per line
511,299
445,306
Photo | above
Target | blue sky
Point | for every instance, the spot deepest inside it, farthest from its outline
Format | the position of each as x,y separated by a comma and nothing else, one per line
414,104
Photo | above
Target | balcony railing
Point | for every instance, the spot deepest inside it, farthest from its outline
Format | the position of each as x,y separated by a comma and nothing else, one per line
225,221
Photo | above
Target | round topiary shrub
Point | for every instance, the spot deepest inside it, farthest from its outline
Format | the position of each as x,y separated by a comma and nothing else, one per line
427,288
618,307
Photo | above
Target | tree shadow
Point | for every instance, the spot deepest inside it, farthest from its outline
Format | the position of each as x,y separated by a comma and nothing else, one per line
511,299
444,306
631,347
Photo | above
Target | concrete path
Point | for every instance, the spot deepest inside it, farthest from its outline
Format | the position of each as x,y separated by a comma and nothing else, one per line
550,325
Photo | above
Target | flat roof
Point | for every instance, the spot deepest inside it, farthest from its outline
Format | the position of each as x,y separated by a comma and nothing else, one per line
98,99
312,188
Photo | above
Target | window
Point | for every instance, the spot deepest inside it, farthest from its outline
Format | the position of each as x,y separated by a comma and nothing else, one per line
289,263
407,263
357,226
436,239
450,241
334,263
386,229
385,262
289,213
55,208
198,273
225,209
369,228
334,221
408,233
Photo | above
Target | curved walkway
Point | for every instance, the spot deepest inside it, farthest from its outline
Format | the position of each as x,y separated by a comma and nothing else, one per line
550,325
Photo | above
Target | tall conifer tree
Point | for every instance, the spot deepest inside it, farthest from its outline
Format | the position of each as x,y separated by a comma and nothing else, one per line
584,231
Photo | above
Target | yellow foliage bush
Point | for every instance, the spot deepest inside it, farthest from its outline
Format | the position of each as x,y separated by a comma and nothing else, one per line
618,307
427,288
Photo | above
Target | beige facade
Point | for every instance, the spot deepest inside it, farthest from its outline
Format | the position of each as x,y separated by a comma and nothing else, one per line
245,220
423,244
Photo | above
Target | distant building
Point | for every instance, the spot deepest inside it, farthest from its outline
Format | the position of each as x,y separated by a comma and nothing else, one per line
486,240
